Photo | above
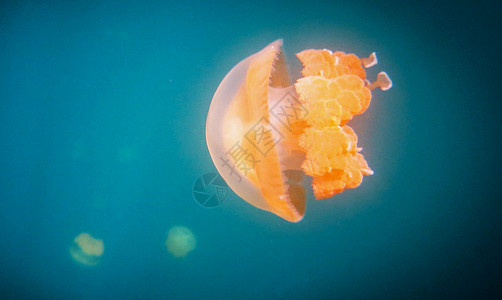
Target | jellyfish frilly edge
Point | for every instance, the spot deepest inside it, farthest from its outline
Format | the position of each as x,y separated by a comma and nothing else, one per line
264,133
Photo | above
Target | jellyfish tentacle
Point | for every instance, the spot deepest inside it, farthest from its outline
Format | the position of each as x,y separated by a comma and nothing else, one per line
383,82
369,61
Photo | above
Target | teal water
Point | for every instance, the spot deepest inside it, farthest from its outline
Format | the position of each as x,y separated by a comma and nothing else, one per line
102,117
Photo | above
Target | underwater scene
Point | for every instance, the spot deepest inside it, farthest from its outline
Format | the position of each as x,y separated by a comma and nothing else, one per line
250,150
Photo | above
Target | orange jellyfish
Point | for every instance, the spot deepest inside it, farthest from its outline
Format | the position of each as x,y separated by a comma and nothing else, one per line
264,133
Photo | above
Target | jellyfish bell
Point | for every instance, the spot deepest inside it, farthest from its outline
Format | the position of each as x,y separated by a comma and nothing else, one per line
237,128
180,241
87,250
264,133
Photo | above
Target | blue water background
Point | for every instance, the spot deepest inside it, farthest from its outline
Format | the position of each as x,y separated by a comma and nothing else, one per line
102,119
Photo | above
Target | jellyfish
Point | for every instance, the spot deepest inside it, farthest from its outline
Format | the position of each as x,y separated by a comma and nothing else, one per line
265,134
87,250
180,241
